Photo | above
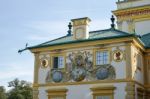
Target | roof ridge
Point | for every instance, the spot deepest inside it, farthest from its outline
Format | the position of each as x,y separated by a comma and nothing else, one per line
103,31
108,30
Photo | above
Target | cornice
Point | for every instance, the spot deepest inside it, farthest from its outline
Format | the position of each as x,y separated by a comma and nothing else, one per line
133,13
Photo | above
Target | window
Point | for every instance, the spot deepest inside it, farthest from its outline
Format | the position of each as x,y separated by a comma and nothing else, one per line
139,61
57,93
58,62
103,92
102,57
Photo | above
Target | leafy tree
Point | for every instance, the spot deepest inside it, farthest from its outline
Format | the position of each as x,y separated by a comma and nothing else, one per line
20,89
2,92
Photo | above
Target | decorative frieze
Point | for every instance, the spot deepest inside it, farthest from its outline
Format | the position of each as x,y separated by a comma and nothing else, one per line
79,67
133,13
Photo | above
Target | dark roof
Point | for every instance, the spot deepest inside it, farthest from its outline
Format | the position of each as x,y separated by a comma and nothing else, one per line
146,40
93,35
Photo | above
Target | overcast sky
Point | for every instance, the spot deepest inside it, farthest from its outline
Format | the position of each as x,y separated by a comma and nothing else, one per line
37,21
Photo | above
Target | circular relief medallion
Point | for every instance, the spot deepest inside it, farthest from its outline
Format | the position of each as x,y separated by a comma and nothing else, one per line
44,63
57,76
118,55
102,73
78,74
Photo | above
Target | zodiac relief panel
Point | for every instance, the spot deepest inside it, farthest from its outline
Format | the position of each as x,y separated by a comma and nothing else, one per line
79,67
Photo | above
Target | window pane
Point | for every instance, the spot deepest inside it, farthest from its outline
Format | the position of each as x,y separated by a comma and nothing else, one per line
97,58
101,58
105,57
60,62
55,65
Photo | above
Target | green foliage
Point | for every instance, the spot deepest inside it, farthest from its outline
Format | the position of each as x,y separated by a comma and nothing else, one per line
20,89
2,93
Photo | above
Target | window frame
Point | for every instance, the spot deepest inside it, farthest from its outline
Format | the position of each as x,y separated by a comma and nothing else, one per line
58,55
101,50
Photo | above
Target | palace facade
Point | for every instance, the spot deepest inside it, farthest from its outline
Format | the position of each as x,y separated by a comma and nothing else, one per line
104,64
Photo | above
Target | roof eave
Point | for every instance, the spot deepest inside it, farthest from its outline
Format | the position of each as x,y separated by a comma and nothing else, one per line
85,40
55,46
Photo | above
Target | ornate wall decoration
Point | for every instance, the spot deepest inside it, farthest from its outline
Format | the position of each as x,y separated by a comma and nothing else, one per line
57,76
135,59
118,55
105,72
79,64
79,67
48,76
44,60
78,73
44,63
102,73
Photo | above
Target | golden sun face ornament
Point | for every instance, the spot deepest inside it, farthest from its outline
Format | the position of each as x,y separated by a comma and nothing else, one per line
118,55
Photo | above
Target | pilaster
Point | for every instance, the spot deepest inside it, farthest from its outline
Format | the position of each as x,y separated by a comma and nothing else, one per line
35,93
128,61
130,90
36,68
131,27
